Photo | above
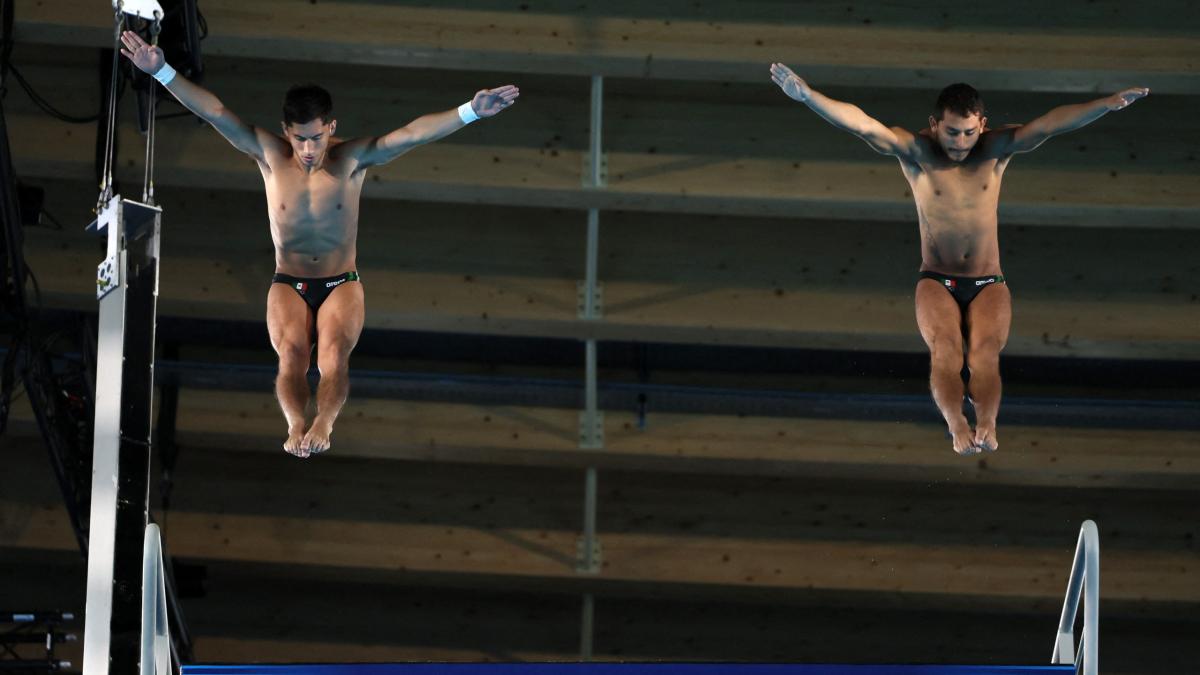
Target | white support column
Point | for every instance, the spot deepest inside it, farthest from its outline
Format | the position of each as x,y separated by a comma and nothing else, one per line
102,527
127,287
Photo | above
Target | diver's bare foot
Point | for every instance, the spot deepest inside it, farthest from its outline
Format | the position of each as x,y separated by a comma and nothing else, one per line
985,438
964,440
293,444
317,438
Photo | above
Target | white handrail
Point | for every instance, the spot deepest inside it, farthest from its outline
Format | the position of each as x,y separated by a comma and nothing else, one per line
156,635
1085,579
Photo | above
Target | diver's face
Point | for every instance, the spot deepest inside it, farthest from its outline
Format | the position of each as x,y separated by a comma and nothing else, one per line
957,134
310,140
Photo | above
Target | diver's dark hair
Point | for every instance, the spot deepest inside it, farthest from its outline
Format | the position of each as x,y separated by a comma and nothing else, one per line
959,98
305,103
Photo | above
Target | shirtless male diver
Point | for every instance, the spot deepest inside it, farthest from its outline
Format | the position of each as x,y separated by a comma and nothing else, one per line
955,168
313,182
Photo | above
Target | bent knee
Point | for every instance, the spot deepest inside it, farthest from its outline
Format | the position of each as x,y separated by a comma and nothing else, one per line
333,369
986,348
334,351
946,352
293,356
332,361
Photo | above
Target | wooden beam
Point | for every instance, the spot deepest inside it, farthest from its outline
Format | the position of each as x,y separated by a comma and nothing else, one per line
756,282
724,120
983,572
675,47
894,450
899,450
191,156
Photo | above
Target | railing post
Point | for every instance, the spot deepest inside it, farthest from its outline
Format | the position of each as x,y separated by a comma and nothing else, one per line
1085,582
156,634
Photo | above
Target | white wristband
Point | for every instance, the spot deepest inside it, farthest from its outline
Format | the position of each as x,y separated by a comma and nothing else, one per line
165,74
466,113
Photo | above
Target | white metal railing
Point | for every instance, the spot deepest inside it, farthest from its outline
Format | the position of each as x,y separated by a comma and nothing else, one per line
156,636
1085,582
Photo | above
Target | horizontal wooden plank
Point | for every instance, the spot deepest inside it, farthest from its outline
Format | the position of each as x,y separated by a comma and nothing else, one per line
735,444
768,282
987,572
898,450
191,156
774,506
673,46
725,121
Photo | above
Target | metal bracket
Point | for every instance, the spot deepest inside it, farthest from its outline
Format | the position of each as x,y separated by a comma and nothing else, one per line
108,276
586,174
583,563
149,10
591,437
581,301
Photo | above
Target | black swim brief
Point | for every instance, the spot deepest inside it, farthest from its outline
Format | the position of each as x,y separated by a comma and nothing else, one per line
315,291
963,289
